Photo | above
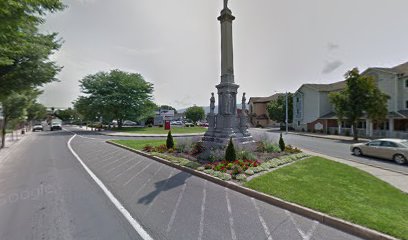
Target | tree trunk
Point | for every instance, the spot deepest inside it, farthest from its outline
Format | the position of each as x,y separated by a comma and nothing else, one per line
120,123
3,133
355,133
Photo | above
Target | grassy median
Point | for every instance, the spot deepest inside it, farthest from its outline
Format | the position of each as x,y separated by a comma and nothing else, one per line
340,191
157,130
139,144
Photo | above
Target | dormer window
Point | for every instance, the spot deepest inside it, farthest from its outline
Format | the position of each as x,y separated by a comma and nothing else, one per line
406,83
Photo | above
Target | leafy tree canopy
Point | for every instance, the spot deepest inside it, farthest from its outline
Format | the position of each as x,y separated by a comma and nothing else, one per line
195,113
116,95
360,96
277,108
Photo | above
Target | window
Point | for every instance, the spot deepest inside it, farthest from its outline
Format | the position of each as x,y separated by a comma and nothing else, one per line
388,144
297,99
374,143
406,104
298,123
406,83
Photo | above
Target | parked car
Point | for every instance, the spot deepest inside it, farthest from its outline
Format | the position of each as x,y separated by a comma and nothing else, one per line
56,126
129,123
388,148
38,127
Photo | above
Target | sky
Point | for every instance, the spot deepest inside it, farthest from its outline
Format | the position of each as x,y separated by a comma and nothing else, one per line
175,44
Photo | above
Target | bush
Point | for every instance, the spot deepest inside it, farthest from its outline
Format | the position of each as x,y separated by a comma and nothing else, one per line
216,155
161,149
245,155
249,172
169,141
198,148
281,143
230,154
241,177
290,149
347,133
183,145
148,148
149,125
271,148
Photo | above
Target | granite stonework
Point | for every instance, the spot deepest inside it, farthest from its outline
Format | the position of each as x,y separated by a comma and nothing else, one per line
227,123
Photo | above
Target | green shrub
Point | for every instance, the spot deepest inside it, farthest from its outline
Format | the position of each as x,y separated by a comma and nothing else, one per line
200,168
245,155
271,148
169,141
281,143
241,177
230,154
249,172
209,171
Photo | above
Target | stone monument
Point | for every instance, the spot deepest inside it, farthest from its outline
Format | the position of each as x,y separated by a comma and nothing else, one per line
227,123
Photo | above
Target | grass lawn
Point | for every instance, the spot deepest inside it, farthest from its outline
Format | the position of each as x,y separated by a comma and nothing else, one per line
341,191
139,144
157,130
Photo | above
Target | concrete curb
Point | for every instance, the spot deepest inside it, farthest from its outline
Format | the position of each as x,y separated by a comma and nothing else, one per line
337,223
153,135
329,138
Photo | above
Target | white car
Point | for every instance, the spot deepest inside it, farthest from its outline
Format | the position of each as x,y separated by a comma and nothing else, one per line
38,127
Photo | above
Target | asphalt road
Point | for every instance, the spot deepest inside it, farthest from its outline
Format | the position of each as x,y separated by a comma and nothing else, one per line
334,148
47,194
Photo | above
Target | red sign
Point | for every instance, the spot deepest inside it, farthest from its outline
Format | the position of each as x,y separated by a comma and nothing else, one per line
167,125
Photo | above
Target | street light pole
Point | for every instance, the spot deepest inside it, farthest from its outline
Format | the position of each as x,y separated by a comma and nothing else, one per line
286,113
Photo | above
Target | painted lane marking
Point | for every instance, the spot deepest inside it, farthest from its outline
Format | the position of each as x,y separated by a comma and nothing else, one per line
138,228
231,219
137,174
173,215
128,169
113,162
105,159
148,180
119,165
261,219
160,189
305,236
201,230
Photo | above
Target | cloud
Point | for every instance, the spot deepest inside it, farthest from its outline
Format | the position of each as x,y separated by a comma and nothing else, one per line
332,46
135,52
331,66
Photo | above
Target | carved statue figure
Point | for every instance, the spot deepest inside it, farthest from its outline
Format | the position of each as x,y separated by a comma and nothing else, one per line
225,4
243,102
212,103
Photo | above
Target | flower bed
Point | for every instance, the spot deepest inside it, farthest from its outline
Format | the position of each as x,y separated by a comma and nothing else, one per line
267,156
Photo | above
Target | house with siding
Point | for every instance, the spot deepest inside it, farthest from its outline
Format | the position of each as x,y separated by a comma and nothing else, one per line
313,111
258,113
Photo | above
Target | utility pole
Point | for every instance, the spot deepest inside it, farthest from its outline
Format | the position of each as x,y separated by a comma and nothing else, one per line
286,113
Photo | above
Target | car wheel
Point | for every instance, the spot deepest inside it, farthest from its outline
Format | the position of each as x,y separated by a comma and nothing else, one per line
400,159
357,151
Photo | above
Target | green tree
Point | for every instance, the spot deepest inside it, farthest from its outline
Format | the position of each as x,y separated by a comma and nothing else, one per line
360,96
67,114
116,95
195,113
169,141
277,108
230,154
282,145
15,109
36,112
24,51
167,107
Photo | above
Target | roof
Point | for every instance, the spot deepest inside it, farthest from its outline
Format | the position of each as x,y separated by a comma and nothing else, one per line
403,113
265,99
327,87
399,69
399,114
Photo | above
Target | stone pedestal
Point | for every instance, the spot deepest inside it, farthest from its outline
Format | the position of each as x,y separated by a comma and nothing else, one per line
227,123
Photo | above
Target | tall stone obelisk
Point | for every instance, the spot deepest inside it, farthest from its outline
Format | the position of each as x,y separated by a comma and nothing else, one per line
226,123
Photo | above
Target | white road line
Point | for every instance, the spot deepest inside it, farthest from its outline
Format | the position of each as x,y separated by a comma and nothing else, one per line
106,159
113,162
138,228
265,227
128,169
173,215
161,188
134,176
305,236
148,180
201,230
231,220
117,166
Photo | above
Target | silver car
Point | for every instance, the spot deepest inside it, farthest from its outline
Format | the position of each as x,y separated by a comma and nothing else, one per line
387,148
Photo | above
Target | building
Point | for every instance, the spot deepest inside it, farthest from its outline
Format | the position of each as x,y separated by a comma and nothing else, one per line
314,113
258,113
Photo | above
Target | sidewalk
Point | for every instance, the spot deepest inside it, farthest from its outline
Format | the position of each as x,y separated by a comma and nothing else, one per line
11,145
397,180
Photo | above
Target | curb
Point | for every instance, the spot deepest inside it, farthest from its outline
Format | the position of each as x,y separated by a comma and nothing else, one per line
336,223
355,161
323,137
152,135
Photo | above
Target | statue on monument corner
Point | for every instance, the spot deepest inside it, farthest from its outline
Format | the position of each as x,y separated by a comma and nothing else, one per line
225,4
243,103
212,103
